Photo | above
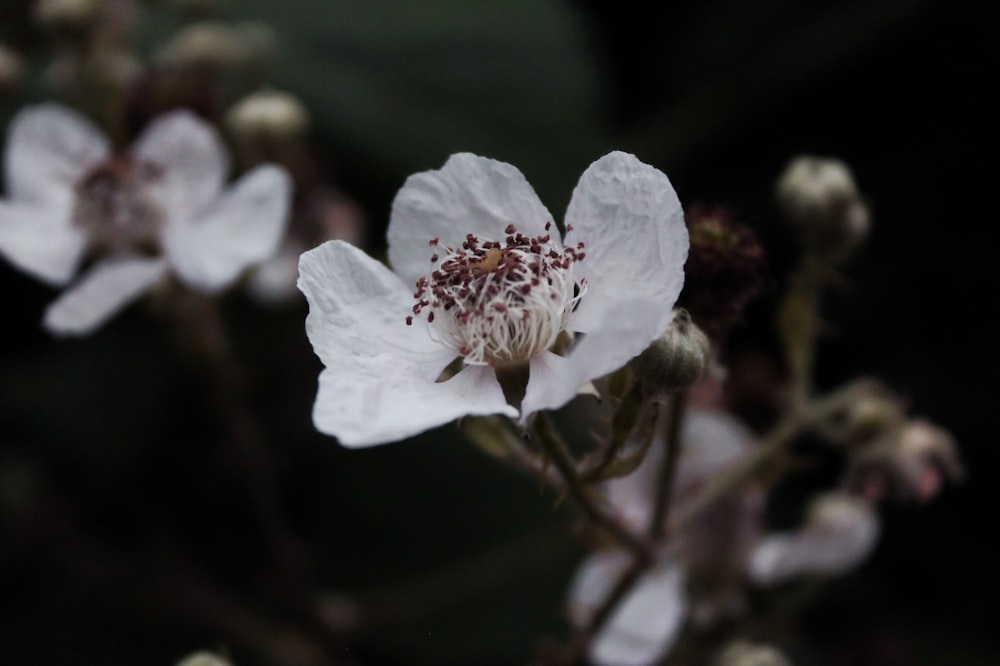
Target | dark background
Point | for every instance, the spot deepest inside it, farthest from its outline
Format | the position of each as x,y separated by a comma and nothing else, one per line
114,472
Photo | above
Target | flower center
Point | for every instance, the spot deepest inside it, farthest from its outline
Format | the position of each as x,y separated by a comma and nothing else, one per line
499,303
113,206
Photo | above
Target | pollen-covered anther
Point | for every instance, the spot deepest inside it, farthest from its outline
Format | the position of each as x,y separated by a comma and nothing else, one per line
499,303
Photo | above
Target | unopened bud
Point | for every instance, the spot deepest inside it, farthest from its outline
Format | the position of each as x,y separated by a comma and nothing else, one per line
675,360
67,17
11,69
207,44
912,462
268,115
204,659
820,197
742,653
870,416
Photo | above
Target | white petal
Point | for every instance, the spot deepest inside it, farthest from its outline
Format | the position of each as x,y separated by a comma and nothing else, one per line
243,227
630,220
381,399
470,194
192,159
553,381
838,537
642,629
379,383
49,149
712,439
102,293
41,240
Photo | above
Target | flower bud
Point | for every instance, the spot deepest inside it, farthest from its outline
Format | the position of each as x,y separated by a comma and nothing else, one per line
868,417
68,17
911,462
204,659
268,115
207,44
675,360
742,653
820,197
11,69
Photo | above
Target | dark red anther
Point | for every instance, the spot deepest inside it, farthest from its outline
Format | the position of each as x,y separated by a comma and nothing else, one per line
409,320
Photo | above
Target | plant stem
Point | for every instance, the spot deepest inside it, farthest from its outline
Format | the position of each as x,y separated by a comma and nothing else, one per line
668,469
558,453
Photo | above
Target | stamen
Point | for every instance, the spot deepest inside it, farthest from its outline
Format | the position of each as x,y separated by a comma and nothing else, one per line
499,303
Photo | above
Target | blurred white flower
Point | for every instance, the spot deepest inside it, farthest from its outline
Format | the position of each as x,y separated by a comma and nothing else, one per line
495,286
158,209
643,628
839,533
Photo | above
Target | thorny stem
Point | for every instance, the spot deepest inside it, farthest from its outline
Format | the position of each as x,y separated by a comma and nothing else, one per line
722,485
558,453
657,529
668,469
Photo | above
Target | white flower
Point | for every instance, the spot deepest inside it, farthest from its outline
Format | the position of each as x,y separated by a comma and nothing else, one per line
646,623
494,285
642,629
839,533
160,208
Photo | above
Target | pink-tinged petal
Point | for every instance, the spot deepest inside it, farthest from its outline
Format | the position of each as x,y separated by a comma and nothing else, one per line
553,380
630,220
41,240
242,228
839,534
470,194
379,383
190,159
49,149
645,624
102,293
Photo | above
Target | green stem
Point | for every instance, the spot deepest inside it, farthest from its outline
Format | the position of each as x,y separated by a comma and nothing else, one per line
668,469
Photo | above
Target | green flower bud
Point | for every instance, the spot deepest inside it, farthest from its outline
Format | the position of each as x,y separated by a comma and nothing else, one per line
677,359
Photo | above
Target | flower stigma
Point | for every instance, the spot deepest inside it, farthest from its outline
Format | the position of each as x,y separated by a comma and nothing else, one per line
114,207
499,303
